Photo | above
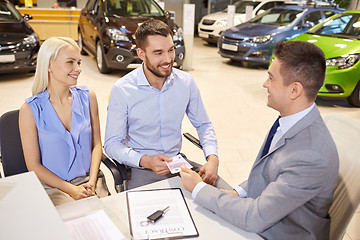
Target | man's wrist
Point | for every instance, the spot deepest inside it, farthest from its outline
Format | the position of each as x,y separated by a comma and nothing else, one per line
144,160
213,159
197,189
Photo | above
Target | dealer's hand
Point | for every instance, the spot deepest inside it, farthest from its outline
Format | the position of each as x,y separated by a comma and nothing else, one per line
189,178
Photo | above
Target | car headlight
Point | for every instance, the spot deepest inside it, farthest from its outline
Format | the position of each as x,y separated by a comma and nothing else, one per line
117,35
343,61
31,39
261,39
178,34
222,23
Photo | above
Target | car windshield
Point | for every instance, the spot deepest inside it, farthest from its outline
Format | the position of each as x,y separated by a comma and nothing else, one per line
345,25
279,17
8,13
240,6
131,8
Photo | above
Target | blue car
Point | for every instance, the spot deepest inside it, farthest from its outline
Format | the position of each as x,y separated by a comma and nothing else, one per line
254,41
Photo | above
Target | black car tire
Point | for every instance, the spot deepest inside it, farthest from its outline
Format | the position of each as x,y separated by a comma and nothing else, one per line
100,59
81,44
354,98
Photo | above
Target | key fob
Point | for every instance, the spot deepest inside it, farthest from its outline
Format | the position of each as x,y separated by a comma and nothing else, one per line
155,216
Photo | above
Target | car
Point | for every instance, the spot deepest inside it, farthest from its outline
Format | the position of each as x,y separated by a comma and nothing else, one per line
19,44
106,30
211,26
253,41
339,38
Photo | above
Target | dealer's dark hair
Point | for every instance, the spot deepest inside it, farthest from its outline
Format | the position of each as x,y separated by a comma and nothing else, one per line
303,62
151,27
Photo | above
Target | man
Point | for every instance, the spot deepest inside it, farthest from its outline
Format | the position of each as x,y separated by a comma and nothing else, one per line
146,109
290,187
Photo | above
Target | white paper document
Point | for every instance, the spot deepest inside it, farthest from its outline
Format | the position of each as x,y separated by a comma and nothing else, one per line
95,225
5,188
177,162
175,223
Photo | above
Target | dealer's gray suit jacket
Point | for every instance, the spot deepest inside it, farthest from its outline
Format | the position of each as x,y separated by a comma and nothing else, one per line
289,190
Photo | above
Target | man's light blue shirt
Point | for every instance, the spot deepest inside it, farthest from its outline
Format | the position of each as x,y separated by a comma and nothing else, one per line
285,123
144,120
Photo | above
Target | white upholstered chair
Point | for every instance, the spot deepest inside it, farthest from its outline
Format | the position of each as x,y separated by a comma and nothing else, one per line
346,134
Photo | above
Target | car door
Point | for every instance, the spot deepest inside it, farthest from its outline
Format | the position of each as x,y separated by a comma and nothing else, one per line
90,24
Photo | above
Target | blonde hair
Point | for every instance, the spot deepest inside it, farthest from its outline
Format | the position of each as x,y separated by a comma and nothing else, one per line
47,54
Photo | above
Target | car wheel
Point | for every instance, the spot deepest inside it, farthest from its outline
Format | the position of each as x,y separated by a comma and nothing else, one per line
81,44
354,98
100,61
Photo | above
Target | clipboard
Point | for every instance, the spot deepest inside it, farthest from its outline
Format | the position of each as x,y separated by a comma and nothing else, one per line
176,223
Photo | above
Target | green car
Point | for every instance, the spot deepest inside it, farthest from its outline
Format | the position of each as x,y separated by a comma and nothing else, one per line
339,38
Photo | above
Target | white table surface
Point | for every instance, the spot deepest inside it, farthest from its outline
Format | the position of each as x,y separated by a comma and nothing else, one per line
26,211
209,225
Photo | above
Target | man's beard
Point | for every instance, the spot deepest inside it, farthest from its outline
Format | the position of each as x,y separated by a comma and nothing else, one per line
156,72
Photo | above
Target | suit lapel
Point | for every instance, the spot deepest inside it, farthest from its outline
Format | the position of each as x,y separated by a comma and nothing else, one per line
303,123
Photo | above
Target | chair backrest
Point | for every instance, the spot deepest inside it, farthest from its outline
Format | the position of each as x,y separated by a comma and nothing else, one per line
346,134
13,161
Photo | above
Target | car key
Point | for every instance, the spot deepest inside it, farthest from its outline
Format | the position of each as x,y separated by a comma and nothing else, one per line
157,215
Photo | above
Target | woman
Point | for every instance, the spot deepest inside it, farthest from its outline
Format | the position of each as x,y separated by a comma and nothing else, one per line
60,128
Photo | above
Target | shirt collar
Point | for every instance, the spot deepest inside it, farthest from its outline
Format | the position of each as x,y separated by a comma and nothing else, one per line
287,122
142,80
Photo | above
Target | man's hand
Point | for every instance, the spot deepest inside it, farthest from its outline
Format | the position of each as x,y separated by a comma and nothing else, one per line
189,178
156,163
210,170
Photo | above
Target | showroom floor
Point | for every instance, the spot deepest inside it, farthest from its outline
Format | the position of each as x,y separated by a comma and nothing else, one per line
235,101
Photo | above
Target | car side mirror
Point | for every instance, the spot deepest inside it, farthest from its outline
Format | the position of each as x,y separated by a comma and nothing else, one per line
27,17
308,24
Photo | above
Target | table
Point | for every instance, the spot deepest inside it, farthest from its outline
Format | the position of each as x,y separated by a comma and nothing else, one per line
209,225
26,211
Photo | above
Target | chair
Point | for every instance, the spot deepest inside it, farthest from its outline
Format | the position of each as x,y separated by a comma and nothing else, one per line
12,156
193,140
346,134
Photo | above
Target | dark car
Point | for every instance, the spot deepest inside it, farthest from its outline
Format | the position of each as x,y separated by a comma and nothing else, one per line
254,41
19,44
107,27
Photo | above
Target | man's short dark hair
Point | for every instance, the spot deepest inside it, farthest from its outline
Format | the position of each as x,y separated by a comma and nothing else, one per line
151,27
304,62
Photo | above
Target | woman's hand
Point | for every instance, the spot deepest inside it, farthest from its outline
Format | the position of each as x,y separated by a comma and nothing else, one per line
81,191
91,186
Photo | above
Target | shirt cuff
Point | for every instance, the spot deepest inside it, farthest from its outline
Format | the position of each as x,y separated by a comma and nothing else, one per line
241,191
197,189
210,150
134,158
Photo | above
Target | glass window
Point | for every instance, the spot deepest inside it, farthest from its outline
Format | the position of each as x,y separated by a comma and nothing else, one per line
8,13
267,6
343,25
241,5
128,8
328,14
276,17
314,17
